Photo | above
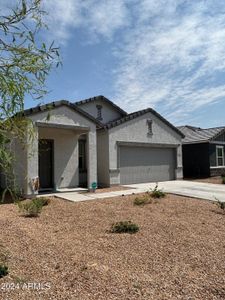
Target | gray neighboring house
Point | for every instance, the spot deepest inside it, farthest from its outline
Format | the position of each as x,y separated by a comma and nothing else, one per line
203,151
94,140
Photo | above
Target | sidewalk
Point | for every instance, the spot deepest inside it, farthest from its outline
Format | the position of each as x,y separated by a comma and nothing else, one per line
200,190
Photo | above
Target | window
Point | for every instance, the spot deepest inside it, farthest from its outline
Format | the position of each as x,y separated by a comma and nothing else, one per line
220,156
149,124
99,112
82,155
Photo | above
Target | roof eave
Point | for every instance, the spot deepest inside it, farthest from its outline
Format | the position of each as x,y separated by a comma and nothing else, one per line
138,114
34,110
195,142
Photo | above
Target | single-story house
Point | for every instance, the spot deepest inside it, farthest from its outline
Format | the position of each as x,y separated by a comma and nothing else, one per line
95,141
203,151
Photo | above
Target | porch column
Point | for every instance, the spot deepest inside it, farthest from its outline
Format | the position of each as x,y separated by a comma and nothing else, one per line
31,180
91,158
179,170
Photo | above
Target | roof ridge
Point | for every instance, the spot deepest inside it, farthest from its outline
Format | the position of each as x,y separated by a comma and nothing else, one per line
191,127
218,127
101,97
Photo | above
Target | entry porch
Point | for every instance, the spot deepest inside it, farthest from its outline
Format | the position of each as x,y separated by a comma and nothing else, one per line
61,156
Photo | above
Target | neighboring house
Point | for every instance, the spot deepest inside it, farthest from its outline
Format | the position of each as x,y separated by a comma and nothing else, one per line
96,141
203,151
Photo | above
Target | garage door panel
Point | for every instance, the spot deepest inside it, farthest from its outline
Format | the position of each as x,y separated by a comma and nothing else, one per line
146,164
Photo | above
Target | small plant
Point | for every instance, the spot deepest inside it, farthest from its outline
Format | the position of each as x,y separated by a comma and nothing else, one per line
42,201
223,179
124,227
142,200
3,271
221,204
157,193
30,208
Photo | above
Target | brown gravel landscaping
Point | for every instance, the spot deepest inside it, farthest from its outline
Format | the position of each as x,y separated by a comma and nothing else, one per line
178,253
215,179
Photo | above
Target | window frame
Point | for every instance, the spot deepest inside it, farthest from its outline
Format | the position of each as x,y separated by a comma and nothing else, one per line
82,155
219,156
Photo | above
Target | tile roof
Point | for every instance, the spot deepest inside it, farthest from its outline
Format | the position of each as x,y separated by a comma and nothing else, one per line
75,106
120,110
199,135
49,106
139,113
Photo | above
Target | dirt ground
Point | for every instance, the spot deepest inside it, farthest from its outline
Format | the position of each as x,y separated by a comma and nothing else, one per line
216,180
177,254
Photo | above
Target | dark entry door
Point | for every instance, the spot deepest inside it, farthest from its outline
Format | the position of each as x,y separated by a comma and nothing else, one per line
45,164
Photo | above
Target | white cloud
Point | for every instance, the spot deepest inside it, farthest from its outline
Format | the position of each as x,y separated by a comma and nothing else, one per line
171,58
97,18
170,53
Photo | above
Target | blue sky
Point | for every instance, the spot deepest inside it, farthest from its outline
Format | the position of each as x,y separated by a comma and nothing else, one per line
165,54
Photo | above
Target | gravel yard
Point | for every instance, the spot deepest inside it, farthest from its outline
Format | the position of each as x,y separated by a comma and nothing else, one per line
177,254
215,179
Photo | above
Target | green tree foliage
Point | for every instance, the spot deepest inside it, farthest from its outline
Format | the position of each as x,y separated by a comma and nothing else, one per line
25,62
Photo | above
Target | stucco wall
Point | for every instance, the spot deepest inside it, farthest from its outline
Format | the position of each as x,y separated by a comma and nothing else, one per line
63,115
19,167
103,158
109,113
137,131
65,156
66,147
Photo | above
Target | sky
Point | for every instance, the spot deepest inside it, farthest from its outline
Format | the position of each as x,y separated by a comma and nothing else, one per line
164,54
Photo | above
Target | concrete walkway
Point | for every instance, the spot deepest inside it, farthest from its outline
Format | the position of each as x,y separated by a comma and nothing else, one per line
199,190
208,191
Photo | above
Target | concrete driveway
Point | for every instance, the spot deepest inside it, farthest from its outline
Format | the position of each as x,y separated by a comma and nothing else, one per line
194,189
208,191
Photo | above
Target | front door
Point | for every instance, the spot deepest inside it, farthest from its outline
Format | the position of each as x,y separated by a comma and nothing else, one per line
45,164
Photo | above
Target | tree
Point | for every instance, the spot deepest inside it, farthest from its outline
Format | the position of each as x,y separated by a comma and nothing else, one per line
25,63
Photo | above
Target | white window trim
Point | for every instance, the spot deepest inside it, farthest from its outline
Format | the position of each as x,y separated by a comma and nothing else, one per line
219,147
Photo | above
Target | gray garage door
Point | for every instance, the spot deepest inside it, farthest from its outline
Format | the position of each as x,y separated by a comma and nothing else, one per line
145,164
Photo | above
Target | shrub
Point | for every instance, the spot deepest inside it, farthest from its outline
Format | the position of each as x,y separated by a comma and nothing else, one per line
43,201
142,200
221,204
30,208
3,271
124,227
157,193
223,179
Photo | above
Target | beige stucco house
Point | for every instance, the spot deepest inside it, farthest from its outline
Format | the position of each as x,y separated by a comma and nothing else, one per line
78,144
